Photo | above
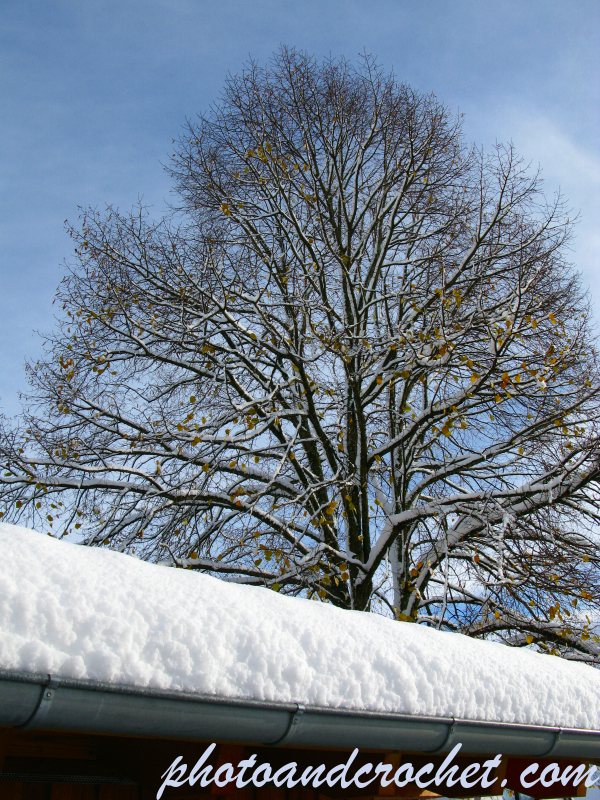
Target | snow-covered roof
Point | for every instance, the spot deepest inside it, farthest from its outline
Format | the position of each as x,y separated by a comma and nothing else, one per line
78,612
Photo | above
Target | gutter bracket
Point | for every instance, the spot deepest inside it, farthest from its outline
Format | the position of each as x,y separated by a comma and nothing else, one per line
40,713
557,738
448,740
292,726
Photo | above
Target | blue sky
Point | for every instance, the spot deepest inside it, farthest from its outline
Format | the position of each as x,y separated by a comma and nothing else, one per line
93,93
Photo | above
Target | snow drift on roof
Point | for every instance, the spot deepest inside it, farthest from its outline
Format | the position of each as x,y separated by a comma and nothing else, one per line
85,613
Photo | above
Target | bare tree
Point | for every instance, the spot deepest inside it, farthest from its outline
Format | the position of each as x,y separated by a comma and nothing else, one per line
353,364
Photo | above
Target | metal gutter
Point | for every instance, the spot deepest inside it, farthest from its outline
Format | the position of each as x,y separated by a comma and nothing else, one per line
30,700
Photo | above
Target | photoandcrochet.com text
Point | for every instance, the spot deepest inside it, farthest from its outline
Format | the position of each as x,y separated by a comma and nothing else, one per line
248,771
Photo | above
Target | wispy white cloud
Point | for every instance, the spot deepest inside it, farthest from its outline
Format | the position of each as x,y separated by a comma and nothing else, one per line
573,167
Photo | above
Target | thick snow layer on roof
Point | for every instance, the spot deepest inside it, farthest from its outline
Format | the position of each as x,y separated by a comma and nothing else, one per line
85,613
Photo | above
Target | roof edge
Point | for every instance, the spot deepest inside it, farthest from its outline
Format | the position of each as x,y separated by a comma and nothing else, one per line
38,700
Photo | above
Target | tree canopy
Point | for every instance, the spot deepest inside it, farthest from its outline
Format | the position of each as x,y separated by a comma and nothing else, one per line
353,363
